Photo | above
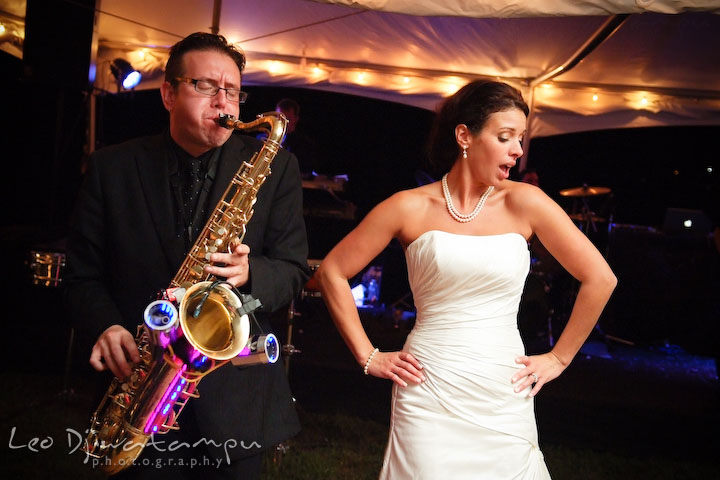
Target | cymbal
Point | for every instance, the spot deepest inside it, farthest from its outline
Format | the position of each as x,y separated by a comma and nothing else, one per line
584,191
581,217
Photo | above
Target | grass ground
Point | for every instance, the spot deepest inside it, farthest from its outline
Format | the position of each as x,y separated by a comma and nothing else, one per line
338,441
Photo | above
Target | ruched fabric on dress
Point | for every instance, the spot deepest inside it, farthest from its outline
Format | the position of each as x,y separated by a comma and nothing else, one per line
465,421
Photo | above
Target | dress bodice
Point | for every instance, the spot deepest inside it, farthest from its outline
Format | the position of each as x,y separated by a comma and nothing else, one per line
457,277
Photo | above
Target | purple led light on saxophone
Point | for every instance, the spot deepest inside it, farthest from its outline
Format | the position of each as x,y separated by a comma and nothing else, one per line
164,405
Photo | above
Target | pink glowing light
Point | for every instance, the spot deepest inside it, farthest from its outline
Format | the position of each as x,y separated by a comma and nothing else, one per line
153,421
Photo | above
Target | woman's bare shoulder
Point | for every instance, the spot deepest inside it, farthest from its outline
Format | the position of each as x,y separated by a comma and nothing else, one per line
520,194
412,199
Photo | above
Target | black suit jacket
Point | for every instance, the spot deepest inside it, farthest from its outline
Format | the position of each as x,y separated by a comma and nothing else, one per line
123,250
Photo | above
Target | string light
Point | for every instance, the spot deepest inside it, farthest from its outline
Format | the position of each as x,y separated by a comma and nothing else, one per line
402,82
274,67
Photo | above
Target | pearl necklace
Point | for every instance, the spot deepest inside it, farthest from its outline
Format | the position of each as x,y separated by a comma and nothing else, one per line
460,217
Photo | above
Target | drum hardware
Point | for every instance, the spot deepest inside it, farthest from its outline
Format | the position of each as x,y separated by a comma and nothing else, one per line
289,349
46,267
584,191
281,449
586,216
311,289
581,217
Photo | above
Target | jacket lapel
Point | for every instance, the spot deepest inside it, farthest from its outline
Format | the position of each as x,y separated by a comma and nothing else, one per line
152,167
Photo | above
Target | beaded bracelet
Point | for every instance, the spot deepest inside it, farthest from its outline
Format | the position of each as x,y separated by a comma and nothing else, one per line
367,362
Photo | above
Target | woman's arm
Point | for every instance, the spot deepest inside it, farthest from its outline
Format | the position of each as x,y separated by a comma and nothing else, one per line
574,251
350,256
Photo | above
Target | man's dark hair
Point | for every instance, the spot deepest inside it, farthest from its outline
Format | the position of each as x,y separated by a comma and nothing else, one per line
472,105
289,104
199,41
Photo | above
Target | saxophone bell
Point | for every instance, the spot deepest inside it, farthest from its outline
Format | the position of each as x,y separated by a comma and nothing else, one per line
213,321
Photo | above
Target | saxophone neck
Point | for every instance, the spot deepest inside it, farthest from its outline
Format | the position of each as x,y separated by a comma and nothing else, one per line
273,124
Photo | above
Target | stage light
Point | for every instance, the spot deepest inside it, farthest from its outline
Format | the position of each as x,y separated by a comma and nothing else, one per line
127,77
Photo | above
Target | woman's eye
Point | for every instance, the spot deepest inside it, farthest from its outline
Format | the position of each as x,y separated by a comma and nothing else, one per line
503,139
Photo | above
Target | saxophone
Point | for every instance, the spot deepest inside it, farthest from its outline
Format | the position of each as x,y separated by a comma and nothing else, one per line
196,325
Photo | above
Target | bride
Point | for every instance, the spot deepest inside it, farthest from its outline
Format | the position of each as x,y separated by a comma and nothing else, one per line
462,402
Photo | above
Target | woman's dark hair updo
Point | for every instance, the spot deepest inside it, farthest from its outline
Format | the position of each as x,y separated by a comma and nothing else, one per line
472,105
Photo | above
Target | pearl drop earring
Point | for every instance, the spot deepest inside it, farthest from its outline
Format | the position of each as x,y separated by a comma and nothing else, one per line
464,152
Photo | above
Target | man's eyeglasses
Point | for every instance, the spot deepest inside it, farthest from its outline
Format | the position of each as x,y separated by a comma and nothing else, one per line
206,88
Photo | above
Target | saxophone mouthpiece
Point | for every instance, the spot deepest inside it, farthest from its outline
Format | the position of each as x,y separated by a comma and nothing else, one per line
226,120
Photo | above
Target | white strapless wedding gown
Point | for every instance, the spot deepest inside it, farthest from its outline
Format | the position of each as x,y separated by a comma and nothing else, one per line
465,421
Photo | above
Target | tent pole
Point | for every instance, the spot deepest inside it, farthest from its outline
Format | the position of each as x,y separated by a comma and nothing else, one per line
217,7
609,27
526,138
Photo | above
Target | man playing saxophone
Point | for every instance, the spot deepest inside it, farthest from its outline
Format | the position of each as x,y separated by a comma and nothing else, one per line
142,206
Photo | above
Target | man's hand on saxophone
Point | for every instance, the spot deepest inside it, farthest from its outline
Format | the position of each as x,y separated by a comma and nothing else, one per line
112,350
234,267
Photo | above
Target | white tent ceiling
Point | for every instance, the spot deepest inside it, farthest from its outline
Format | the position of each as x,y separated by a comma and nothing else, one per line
652,69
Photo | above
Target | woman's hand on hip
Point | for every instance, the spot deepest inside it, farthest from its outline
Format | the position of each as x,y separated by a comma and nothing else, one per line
400,367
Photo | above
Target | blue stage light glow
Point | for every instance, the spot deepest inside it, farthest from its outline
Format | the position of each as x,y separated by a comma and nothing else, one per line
272,349
131,80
